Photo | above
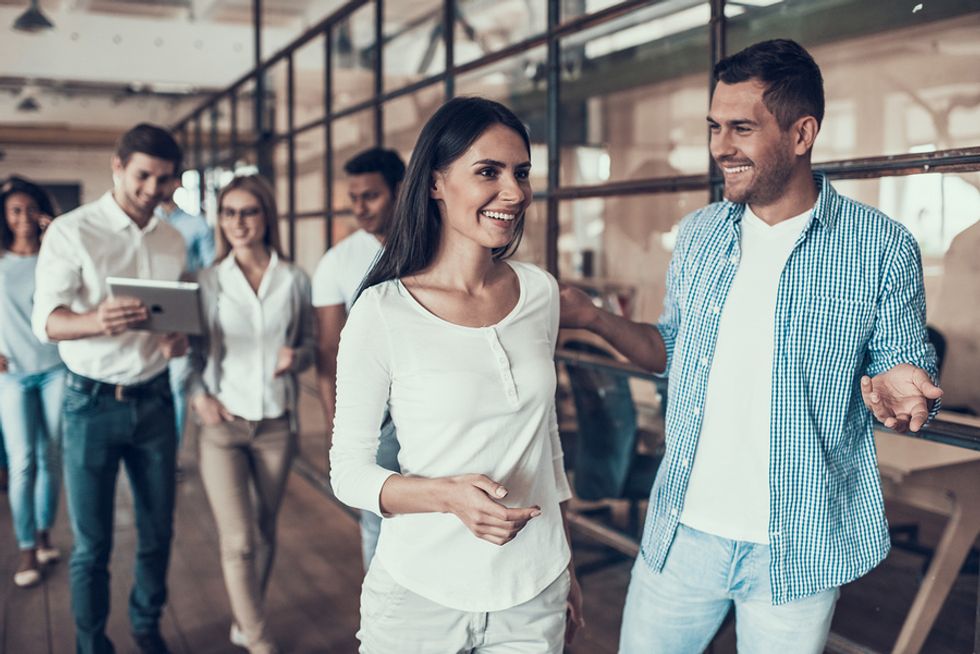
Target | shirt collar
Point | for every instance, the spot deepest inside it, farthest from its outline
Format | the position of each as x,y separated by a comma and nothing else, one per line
118,219
825,209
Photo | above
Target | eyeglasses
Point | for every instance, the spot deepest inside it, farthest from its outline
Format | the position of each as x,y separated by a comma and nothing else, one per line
227,213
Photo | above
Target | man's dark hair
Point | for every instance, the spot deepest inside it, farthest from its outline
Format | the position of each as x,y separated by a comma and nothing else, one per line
152,140
794,85
378,160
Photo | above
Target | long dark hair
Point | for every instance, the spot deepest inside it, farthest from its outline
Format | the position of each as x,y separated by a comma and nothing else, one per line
416,224
16,184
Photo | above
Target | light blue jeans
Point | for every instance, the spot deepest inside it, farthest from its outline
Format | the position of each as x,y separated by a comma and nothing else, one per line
180,370
678,610
387,458
30,411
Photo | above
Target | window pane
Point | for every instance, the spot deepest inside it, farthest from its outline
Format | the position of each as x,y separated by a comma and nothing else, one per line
404,117
277,99
895,81
486,27
575,8
414,44
311,242
309,171
634,97
943,212
245,112
520,83
353,58
308,64
624,243
350,135
281,164
222,133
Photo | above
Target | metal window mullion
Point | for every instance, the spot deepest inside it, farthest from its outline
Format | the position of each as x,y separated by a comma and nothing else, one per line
449,39
378,72
718,31
554,146
328,133
291,148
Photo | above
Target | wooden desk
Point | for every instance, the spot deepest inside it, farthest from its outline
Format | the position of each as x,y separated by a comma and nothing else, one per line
944,480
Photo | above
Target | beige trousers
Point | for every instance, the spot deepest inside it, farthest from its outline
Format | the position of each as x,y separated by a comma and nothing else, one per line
244,467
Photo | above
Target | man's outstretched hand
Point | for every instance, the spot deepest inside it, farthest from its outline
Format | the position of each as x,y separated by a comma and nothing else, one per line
900,397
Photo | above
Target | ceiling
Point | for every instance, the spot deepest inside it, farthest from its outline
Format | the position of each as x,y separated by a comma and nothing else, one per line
108,63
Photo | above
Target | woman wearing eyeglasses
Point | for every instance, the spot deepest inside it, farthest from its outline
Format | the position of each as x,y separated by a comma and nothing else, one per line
32,382
258,335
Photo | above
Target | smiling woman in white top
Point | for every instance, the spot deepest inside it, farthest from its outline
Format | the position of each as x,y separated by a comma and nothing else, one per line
459,344
258,336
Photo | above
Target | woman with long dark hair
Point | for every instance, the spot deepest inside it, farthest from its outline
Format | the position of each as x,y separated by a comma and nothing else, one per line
32,381
258,336
458,342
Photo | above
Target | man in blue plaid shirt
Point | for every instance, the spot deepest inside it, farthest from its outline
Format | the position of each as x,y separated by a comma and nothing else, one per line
792,314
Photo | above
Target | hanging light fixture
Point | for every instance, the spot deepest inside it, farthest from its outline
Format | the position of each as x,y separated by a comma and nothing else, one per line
33,20
29,104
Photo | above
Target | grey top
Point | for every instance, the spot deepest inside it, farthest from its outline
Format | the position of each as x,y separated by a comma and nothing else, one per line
18,343
207,350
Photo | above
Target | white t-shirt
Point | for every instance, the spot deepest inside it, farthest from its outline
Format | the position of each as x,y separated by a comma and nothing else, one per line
253,327
728,492
464,400
342,269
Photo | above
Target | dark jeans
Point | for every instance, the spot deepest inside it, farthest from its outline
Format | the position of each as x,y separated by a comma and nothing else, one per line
99,432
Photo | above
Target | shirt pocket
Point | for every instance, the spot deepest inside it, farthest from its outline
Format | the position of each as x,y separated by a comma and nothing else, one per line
833,336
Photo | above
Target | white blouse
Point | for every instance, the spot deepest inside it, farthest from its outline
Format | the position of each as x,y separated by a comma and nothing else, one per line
464,400
253,325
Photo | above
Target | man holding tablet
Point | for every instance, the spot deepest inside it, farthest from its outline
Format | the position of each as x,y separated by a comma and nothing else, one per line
118,405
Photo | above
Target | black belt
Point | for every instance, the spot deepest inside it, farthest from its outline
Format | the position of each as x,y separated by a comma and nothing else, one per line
121,392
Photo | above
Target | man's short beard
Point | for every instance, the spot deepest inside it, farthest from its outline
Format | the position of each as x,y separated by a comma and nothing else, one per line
769,183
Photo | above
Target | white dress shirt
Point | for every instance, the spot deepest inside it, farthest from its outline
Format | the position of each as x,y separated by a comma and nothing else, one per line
728,493
343,267
79,251
463,400
253,325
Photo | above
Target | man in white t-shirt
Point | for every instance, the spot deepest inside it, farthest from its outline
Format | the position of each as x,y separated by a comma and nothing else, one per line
372,184
792,314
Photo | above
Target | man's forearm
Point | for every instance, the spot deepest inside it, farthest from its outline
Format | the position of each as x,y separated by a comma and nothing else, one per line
63,324
641,343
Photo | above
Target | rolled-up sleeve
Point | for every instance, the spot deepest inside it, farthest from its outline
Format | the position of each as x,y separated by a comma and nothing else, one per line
58,277
363,384
899,334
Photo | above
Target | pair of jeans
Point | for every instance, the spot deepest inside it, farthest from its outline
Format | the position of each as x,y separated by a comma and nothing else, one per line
679,609
180,370
244,468
387,458
30,412
101,432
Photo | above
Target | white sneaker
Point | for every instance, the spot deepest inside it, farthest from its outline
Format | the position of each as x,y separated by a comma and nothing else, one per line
237,637
47,555
27,578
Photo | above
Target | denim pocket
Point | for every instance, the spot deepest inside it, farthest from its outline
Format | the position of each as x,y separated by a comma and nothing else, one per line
76,401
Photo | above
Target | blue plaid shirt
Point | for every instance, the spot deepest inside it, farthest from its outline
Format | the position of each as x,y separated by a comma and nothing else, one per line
850,302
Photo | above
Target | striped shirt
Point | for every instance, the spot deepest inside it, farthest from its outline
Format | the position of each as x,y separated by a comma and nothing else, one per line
850,302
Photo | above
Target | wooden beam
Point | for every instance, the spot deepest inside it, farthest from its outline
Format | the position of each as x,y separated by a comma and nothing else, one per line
57,135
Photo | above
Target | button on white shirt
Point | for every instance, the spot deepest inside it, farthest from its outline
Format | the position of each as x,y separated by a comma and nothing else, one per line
464,400
253,326
79,251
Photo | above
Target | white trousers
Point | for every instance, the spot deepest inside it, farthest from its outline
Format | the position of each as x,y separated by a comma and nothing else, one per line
394,619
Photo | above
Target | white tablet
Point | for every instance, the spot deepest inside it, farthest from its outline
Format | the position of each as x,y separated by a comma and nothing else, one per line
174,306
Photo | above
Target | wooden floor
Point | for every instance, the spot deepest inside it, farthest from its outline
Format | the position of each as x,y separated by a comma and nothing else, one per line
313,597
